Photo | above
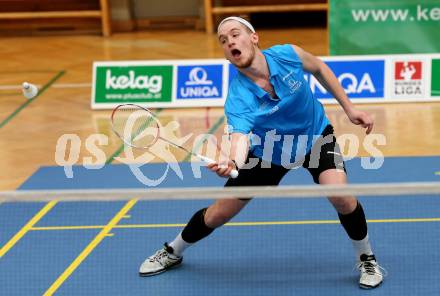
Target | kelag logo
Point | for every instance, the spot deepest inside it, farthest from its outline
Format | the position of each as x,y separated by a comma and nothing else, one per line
117,84
360,79
199,81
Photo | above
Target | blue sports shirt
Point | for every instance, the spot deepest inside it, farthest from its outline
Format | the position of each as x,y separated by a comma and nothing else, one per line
283,128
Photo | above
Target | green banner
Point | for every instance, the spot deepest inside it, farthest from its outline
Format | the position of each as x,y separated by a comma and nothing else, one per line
435,78
139,84
384,26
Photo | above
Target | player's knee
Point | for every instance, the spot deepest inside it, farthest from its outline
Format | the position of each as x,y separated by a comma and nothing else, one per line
344,205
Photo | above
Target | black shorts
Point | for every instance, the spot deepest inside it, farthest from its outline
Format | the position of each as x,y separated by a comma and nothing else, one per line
325,155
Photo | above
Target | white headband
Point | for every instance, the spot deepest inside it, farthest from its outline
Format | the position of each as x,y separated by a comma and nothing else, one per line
238,19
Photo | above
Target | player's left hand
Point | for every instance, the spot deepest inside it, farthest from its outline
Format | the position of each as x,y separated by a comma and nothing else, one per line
361,118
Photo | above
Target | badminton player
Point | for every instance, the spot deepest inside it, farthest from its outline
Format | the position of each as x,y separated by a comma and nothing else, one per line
269,98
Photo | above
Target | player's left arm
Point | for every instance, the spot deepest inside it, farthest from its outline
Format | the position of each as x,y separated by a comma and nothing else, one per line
327,78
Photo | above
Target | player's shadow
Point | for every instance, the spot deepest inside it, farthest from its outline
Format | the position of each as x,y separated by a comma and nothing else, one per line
281,273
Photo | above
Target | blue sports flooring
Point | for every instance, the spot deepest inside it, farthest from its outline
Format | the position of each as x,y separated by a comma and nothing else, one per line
273,247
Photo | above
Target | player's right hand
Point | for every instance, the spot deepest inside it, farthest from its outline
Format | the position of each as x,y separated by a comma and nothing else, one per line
223,169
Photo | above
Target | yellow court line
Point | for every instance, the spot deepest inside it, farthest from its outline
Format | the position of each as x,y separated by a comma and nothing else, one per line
409,220
28,226
268,223
151,225
264,223
78,227
92,245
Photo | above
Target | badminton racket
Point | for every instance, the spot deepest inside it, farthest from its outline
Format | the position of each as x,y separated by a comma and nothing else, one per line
137,127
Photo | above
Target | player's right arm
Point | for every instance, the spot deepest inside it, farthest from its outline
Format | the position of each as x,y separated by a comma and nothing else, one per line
233,159
240,107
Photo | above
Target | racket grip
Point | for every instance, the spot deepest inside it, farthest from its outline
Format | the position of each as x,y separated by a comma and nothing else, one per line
233,174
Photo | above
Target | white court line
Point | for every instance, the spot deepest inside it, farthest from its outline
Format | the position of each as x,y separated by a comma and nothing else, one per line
58,85
12,87
72,85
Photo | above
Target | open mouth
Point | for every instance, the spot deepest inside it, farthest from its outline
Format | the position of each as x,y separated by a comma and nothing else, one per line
235,53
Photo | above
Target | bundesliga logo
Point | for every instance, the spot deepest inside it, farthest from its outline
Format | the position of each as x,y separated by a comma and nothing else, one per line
408,79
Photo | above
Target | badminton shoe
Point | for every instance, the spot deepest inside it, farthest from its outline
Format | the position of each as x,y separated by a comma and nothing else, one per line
161,261
371,272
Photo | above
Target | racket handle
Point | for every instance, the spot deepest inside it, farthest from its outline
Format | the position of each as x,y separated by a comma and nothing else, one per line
233,174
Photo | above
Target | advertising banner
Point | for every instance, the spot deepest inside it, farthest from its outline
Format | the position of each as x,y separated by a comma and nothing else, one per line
204,83
140,84
408,78
200,81
384,26
359,78
435,78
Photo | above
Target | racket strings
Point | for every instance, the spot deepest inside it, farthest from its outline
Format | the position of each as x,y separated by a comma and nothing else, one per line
137,127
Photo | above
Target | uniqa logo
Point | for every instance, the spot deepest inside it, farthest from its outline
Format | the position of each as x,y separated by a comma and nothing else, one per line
151,83
198,85
350,83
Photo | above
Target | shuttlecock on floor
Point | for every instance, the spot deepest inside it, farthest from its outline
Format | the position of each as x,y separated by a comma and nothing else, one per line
29,90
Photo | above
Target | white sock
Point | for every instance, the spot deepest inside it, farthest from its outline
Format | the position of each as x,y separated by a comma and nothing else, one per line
362,247
179,245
